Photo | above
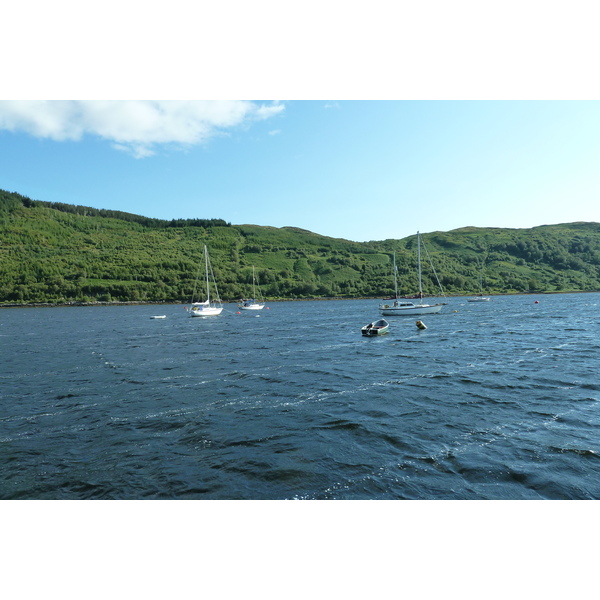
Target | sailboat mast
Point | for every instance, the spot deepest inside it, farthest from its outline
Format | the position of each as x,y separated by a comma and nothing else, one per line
395,277
481,278
253,283
206,267
419,264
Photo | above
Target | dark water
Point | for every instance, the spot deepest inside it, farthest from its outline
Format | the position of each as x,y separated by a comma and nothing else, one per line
498,400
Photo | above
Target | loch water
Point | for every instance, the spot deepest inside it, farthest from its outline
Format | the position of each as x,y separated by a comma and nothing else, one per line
495,400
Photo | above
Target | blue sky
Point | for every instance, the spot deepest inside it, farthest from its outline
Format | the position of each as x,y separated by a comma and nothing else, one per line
389,119
360,170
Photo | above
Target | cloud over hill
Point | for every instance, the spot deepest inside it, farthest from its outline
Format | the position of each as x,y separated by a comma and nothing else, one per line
135,126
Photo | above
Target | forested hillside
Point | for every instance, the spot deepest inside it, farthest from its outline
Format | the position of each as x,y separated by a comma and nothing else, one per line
55,252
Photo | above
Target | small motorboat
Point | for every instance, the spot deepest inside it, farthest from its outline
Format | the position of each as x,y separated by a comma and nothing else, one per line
159,317
376,328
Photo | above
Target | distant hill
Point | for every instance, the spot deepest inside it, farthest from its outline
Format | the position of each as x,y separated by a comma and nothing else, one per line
55,252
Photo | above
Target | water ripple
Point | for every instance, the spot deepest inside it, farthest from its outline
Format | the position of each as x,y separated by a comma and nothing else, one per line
298,405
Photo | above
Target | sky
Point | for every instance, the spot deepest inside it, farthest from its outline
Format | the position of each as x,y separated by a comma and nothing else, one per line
355,169
363,125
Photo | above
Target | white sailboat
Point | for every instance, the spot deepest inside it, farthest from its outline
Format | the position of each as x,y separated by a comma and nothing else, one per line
252,304
206,308
405,307
479,297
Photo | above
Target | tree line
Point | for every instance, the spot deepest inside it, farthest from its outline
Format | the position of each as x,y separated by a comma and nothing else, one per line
86,211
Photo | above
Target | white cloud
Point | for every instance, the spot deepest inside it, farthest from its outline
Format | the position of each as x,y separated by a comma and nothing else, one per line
136,126
275,132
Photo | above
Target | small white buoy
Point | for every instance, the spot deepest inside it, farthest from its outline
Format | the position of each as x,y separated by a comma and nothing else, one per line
421,325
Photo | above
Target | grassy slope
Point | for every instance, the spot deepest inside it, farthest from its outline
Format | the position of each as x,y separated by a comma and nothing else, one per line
55,255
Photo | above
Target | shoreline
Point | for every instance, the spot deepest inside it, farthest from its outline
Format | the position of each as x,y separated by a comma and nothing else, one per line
173,303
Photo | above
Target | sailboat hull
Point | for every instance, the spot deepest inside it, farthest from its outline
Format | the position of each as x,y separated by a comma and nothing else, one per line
408,308
205,311
252,306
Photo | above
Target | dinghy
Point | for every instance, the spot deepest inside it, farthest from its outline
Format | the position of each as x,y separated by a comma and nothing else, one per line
376,328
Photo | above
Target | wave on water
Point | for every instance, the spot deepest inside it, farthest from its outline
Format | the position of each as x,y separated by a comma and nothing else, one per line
494,405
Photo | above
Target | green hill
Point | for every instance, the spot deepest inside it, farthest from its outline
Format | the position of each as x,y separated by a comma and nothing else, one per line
55,252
